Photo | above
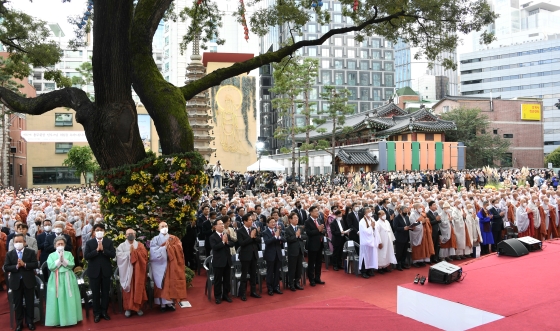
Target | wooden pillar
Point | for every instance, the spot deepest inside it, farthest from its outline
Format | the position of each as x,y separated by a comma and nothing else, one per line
413,137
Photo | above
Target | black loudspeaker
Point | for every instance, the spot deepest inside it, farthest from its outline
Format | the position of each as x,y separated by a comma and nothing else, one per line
444,273
531,243
512,247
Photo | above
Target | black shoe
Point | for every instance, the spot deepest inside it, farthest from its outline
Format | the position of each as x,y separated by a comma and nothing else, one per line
20,327
243,298
226,298
447,259
171,308
298,287
335,268
293,289
97,318
417,265
417,278
255,295
270,292
163,309
277,290
405,266
312,283
422,264
380,271
319,281
218,301
106,317
399,268
31,326
422,280
364,275
388,270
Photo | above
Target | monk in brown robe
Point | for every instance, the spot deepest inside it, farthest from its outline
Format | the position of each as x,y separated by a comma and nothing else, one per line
168,269
421,236
3,252
132,260
548,213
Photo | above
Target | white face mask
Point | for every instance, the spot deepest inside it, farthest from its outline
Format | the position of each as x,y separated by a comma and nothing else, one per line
60,249
356,209
99,234
164,231
18,246
470,210
524,205
370,214
57,230
383,217
47,228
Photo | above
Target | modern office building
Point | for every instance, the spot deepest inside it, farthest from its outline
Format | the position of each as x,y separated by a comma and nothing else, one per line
529,69
365,68
416,74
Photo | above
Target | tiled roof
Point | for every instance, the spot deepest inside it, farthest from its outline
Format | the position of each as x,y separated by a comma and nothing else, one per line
405,91
356,156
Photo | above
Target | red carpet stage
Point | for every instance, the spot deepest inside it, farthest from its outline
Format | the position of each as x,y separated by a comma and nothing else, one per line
343,313
507,292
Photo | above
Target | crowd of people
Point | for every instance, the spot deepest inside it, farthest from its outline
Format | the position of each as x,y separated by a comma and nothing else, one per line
395,221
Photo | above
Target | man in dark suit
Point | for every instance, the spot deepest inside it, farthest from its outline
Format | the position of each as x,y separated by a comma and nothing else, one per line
249,241
42,238
339,237
315,233
205,216
497,223
99,251
274,242
435,219
302,215
295,237
402,237
221,261
353,222
21,263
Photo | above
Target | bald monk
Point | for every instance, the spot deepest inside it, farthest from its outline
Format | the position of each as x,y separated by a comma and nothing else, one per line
132,260
168,269
421,236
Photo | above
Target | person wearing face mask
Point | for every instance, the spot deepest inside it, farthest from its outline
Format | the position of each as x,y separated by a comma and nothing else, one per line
168,269
522,220
42,239
132,261
497,222
64,306
30,242
302,214
485,219
339,231
3,251
471,223
386,253
58,229
21,263
369,244
353,222
99,252
421,236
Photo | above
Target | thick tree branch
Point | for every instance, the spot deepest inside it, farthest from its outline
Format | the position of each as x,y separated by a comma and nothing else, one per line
216,77
147,16
69,97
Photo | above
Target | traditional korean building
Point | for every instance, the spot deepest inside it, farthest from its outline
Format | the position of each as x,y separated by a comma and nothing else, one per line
386,138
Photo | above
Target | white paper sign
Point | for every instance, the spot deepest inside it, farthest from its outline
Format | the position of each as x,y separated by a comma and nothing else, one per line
350,244
263,247
260,254
283,253
201,243
54,136
325,239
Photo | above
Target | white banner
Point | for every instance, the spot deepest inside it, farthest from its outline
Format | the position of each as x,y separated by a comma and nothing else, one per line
54,136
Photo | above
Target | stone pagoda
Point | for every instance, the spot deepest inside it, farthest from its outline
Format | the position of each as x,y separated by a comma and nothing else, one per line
198,107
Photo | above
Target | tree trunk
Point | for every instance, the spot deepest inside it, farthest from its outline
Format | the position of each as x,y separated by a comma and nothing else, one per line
164,102
293,135
3,152
332,146
111,124
307,124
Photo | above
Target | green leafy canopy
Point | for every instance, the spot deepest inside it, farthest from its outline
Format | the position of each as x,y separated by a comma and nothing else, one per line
81,159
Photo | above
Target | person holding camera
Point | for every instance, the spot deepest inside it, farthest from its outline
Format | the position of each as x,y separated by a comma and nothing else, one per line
217,175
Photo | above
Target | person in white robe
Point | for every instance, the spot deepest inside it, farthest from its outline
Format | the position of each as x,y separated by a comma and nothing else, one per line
445,233
158,264
460,234
369,243
386,252
521,218
472,225
533,206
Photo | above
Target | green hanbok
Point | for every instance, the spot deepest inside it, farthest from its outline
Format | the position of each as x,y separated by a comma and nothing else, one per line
64,304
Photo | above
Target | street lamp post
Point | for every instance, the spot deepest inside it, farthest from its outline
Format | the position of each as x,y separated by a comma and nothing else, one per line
260,147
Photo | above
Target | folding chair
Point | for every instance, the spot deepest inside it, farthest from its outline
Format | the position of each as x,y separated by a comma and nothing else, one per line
209,277
327,253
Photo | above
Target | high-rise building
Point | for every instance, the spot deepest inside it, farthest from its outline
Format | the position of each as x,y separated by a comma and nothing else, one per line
365,68
414,73
524,62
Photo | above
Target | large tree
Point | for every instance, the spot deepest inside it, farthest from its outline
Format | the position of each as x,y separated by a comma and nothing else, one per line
122,57
473,129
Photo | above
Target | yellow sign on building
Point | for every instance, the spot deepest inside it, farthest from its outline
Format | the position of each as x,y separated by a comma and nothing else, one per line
531,112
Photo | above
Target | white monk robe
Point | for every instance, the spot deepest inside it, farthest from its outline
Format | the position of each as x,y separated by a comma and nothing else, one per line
123,262
445,235
536,216
521,220
555,211
460,235
158,263
471,223
369,242
386,254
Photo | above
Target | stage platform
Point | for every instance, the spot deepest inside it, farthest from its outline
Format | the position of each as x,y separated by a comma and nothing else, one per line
496,292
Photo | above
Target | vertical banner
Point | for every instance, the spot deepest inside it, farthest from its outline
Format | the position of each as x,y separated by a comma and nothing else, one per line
415,155
439,155
382,156
461,159
399,156
391,156
145,132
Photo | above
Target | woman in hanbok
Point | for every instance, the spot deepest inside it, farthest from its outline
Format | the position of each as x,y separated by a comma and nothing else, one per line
64,305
